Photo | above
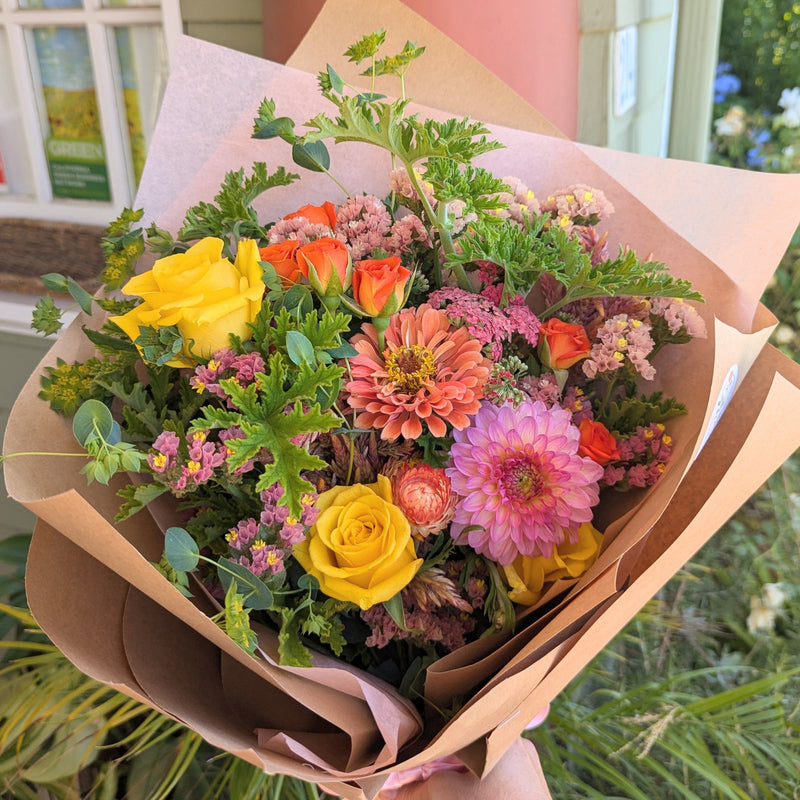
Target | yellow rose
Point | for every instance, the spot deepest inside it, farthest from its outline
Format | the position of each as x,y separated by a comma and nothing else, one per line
360,548
527,575
204,294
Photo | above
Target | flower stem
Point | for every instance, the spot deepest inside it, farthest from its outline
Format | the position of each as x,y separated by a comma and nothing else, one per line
445,239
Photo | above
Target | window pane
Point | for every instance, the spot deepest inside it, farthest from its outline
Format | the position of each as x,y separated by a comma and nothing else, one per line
73,140
142,56
15,166
51,4
130,3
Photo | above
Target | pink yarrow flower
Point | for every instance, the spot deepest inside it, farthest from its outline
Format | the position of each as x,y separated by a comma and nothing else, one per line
520,481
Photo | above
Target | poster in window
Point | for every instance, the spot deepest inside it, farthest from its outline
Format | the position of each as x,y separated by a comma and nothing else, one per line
74,146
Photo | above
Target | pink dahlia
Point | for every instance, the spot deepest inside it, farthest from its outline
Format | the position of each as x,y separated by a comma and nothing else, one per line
521,482
429,371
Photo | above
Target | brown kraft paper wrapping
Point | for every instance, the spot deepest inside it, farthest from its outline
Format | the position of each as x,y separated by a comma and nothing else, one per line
332,723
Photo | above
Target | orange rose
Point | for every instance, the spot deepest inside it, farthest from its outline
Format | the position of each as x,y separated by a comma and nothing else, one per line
281,257
562,344
379,285
317,215
597,442
326,264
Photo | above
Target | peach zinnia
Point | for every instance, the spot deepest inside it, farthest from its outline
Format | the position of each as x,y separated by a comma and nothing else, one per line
429,372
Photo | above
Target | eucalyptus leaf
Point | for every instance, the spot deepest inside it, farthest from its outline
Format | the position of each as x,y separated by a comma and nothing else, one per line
337,84
299,348
344,350
280,126
308,582
55,282
257,595
313,156
91,420
180,550
80,295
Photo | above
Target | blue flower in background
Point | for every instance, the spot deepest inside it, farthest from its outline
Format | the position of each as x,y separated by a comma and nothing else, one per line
725,83
760,136
755,158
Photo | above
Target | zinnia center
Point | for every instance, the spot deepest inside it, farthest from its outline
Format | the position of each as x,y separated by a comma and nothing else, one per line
409,367
520,479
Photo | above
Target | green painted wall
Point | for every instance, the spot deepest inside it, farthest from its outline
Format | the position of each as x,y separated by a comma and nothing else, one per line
19,354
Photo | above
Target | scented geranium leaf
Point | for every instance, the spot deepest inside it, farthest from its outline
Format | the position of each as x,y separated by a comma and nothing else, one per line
521,252
623,416
232,216
291,650
626,275
323,621
477,187
136,497
159,345
324,333
385,125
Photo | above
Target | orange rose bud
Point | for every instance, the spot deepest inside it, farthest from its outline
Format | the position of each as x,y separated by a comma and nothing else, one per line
562,344
281,257
597,442
326,264
317,215
379,285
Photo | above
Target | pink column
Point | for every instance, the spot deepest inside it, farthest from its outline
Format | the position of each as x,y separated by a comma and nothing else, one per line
531,44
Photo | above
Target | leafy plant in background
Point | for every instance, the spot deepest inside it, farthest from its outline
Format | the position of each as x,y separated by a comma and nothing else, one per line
760,39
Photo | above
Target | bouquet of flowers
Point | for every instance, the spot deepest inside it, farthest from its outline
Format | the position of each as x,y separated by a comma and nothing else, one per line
403,459
387,421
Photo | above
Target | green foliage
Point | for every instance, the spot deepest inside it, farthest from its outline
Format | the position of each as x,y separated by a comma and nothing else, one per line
159,345
98,432
46,316
237,620
624,415
366,47
231,217
67,386
759,40
122,247
411,140
475,186
396,64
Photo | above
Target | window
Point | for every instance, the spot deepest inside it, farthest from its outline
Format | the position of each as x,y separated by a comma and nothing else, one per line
80,86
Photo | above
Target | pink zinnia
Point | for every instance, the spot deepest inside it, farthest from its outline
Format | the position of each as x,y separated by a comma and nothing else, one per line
429,371
521,481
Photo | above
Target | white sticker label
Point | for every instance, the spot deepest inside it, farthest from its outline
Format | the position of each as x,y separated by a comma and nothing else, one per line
723,398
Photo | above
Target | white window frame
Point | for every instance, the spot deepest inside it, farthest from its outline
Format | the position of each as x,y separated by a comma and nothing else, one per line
98,22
